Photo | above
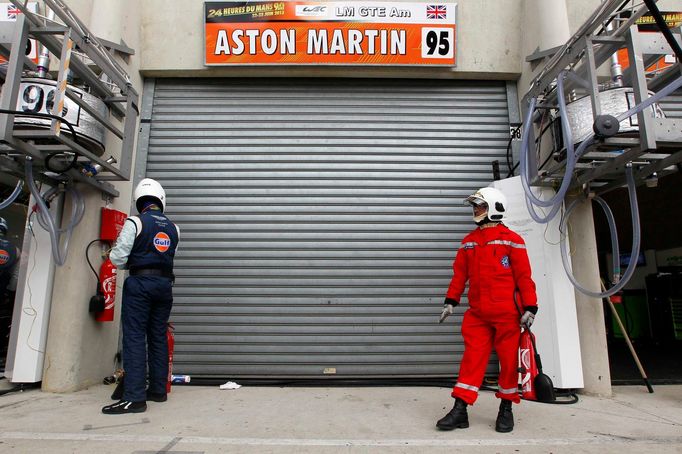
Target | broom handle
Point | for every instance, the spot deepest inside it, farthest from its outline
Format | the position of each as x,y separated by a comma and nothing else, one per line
627,340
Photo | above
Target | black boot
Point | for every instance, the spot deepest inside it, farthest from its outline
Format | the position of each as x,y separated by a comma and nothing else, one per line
505,417
157,397
457,418
118,392
125,406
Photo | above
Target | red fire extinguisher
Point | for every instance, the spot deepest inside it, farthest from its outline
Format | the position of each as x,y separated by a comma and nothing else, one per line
170,337
112,223
528,368
535,385
107,285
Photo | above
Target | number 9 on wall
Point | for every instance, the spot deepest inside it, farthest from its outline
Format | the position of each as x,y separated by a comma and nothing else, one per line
438,42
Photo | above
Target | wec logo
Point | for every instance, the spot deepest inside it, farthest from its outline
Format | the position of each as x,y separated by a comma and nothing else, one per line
4,256
305,10
162,242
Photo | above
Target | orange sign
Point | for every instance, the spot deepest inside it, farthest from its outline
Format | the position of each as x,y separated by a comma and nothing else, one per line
329,33
646,24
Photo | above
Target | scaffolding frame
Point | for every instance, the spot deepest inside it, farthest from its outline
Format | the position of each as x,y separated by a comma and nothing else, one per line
95,67
655,149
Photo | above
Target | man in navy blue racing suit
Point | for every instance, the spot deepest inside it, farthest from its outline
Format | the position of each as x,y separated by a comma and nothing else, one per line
146,247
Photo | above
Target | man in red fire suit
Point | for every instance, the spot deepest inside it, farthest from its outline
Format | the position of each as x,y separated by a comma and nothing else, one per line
494,261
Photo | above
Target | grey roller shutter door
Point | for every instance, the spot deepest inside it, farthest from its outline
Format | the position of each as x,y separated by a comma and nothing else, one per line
319,220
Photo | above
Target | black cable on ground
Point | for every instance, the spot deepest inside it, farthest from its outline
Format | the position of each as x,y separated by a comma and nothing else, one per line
568,393
11,390
19,388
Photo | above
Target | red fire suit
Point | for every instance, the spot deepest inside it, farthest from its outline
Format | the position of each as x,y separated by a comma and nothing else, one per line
494,261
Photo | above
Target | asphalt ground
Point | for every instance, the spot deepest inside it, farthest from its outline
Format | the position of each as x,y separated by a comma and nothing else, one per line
251,419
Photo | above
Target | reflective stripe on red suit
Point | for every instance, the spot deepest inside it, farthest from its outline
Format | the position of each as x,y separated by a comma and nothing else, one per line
495,262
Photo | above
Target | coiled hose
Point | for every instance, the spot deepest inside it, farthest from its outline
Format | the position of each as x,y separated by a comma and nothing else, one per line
572,156
46,220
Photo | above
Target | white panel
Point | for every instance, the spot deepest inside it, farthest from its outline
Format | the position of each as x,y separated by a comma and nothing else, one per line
556,326
28,335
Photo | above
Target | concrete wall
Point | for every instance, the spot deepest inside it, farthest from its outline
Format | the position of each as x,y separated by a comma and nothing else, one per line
80,351
488,33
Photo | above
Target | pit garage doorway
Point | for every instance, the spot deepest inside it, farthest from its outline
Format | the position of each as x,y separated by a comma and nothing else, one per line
319,220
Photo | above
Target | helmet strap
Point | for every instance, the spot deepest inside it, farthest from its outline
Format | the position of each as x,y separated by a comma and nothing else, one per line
487,222
150,206
147,203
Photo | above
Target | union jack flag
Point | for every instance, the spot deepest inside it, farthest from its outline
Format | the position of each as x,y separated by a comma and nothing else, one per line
12,12
436,11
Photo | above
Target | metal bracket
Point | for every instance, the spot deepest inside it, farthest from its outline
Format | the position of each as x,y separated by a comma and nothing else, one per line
95,66
656,144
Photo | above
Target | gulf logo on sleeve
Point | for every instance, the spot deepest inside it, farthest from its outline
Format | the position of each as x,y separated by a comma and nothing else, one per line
162,242
4,256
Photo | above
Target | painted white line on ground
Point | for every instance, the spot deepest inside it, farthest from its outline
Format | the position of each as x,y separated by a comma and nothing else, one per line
596,439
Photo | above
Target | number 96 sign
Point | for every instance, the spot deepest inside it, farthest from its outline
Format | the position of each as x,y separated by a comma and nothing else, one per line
37,96
438,42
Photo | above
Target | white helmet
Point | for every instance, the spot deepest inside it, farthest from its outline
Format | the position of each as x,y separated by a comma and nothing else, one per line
3,226
495,201
149,189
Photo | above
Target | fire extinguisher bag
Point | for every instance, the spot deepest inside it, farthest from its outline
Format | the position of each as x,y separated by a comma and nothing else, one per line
535,385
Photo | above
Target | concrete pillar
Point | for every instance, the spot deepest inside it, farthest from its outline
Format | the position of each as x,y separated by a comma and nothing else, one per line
590,311
80,351
106,19
548,25
552,20
545,25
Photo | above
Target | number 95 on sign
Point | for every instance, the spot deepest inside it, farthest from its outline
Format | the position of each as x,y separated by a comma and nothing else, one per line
438,42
